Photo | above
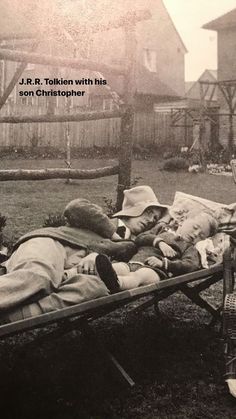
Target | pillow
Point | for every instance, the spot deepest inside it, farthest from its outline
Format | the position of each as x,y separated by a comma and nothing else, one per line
184,204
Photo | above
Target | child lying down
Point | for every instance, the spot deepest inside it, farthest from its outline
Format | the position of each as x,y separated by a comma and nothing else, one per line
159,257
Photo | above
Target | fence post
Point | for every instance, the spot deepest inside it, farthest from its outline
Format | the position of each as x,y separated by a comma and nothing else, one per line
127,119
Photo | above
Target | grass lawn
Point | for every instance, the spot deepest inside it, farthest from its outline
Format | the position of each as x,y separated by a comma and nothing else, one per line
27,203
175,359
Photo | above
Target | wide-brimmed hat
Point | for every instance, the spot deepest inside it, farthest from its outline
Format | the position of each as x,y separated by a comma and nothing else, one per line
137,200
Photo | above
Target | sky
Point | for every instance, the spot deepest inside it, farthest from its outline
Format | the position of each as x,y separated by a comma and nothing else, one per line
188,17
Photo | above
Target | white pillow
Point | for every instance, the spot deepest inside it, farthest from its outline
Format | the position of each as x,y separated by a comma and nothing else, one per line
185,203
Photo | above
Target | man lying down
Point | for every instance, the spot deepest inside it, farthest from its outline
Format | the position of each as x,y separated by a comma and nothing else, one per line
32,285
39,279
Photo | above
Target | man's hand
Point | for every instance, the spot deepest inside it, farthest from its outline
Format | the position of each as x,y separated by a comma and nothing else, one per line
166,250
154,262
87,264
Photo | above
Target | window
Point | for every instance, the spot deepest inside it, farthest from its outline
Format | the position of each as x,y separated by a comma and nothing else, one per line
30,66
150,60
107,104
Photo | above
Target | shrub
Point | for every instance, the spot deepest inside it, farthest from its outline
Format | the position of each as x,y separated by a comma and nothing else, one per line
176,163
3,240
168,155
110,205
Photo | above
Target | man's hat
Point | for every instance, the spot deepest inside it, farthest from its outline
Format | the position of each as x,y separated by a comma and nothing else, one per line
137,200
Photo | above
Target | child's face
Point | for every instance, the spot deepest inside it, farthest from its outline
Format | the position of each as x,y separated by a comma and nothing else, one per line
195,229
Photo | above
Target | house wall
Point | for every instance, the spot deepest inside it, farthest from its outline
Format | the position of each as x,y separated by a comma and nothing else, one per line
159,34
226,71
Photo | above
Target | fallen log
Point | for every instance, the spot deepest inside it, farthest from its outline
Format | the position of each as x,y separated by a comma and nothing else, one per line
81,116
43,174
58,61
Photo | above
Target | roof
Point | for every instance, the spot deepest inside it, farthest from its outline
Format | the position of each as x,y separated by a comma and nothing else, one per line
214,73
177,33
147,83
189,85
228,20
192,89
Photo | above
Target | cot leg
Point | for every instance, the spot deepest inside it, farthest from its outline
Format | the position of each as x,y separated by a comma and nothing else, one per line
93,339
195,297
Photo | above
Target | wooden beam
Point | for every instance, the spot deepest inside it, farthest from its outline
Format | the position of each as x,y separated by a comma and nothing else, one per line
81,116
15,78
22,43
130,18
99,346
58,61
43,174
13,36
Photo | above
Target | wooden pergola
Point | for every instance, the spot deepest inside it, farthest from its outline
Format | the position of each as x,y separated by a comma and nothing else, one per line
180,116
228,90
124,109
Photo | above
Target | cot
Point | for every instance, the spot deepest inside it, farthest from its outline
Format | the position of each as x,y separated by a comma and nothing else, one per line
80,317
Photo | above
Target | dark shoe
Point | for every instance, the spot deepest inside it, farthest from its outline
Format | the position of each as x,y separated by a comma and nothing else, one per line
106,273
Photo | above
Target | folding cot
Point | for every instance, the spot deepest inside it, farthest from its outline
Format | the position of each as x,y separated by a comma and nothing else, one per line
80,317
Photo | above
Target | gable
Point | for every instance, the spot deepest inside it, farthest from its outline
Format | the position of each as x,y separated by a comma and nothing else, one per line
226,21
194,89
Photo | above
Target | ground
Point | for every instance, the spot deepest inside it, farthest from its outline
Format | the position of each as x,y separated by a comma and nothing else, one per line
175,359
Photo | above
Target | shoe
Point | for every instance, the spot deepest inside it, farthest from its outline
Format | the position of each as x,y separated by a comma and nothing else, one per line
232,386
107,273
230,365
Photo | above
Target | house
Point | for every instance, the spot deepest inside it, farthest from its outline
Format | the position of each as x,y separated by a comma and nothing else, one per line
160,55
159,59
225,26
192,90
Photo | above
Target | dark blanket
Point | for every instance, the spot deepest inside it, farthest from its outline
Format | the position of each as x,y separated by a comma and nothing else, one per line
77,237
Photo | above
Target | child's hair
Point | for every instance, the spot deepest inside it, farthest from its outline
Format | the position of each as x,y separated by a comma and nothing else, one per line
209,214
82,213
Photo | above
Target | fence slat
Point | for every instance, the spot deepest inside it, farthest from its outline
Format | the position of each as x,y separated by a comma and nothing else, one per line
150,128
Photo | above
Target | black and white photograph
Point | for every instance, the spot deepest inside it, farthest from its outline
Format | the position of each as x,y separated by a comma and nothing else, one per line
118,209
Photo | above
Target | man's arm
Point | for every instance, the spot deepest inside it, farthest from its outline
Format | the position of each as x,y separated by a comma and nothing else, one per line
163,241
121,250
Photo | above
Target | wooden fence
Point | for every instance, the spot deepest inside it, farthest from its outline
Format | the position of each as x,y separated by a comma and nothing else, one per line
150,128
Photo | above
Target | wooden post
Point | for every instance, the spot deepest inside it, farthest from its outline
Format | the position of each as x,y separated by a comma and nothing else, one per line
68,139
127,119
202,145
231,127
231,134
228,89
